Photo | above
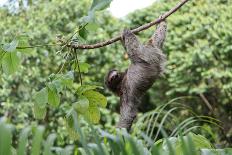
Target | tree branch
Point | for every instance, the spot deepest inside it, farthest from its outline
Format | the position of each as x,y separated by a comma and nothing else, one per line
136,30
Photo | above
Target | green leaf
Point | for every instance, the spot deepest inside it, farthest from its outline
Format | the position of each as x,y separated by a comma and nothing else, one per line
23,141
69,123
37,139
81,105
63,80
39,112
48,144
83,32
5,139
98,5
67,79
41,97
93,114
90,18
10,47
84,88
92,26
84,67
58,85
200,141
23,42
10,63
95,98
53,96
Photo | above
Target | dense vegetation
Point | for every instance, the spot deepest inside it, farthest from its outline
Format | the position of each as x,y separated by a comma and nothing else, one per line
41,92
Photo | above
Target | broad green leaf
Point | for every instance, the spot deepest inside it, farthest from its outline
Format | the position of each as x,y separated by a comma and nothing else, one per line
10,62
58,85
98,5
39,112
84,88
95,98
93,114
200,141
63,80
81,105
69,123
37,140
53,96
5,139
83,33
41,97
23,42
92,26
84,67
10,47
90,18
67,79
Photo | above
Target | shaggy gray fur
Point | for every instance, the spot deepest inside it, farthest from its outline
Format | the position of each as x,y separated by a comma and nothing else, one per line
147,64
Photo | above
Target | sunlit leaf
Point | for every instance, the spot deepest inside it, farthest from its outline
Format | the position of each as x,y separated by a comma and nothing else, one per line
92,26
5,139
81,105
93,114
37,141
39,112
10,62
41,97
10,47
84,88
53,96
67,79
84,67
95,98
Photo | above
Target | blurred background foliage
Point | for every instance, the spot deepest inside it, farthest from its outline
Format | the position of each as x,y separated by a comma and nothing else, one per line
198,47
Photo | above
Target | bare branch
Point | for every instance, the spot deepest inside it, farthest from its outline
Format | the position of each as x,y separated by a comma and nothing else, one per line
137,30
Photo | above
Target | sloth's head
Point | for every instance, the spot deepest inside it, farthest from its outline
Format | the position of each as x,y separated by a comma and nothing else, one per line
113,81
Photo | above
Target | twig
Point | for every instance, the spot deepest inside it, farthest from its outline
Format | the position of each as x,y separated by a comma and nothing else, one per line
206,101
78,66
25,47
136,30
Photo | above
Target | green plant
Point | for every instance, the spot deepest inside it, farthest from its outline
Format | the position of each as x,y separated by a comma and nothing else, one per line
102,143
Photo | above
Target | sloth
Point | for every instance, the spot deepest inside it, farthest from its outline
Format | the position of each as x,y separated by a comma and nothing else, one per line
147,64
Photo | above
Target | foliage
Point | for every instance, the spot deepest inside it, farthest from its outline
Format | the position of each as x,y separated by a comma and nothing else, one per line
119,143
51,81
164,118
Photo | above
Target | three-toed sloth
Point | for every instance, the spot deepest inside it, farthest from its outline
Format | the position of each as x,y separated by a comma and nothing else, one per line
147,64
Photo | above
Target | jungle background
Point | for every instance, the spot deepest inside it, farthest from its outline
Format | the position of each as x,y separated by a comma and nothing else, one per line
199,67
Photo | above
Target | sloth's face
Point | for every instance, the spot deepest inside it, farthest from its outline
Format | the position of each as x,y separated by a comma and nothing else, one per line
113,80
114,76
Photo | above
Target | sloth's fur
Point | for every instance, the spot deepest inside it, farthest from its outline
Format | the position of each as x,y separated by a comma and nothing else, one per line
147,64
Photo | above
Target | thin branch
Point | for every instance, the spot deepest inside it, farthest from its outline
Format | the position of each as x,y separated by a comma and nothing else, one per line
206,101
136,30
45,45
78,66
